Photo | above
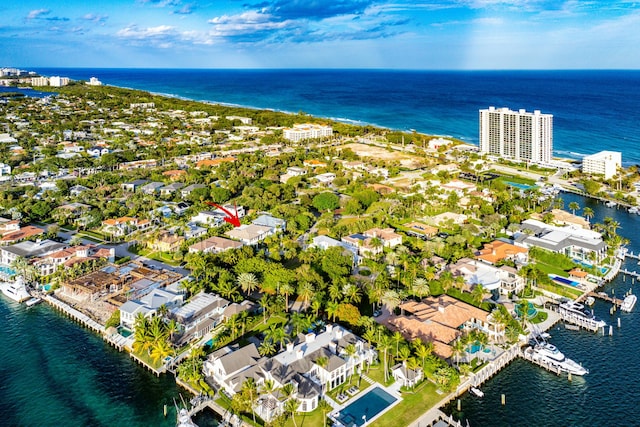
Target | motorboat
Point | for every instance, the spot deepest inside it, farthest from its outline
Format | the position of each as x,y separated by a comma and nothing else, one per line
16,290
590,301
628,303
33,301
476,392
549,354
184,419
633,210
575,310
611,204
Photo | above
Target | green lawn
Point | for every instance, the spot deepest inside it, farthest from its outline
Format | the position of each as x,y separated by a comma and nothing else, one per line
561,290
311,419
376,373
413,404
551,269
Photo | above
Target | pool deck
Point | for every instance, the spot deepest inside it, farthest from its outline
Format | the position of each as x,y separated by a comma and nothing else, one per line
393,390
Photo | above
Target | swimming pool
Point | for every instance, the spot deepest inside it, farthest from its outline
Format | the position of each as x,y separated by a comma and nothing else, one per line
520,186
6,271
563,280
365,407
531,310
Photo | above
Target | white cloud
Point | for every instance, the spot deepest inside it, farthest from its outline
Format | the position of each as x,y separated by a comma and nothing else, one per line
132,32
36,13
245,23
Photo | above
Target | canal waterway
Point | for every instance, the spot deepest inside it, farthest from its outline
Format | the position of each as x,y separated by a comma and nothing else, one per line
54,372
608,395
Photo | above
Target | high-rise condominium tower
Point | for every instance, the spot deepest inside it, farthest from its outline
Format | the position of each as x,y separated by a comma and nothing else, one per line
517,135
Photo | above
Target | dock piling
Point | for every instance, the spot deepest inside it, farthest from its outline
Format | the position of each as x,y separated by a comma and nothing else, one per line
618,322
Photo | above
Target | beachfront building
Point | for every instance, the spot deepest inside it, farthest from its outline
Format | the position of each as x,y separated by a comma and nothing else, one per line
604,163
313,364
301,132
571,240
517,135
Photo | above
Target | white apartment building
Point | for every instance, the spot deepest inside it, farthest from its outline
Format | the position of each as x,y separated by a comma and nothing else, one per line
517,135
40,81
603,163
300,132
93,81
57,81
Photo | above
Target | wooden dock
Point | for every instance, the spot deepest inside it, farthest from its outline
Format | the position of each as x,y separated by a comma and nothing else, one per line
526,355
615,301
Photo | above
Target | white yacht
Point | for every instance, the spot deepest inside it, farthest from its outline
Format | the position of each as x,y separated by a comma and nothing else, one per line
633,210
16,290
575,310
628,303
184,420
611,204
549,353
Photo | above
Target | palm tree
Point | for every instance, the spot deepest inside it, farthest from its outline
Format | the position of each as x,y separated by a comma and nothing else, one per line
249,387
398,338
248,282
588,213
325,407
574,206
160,350
423,351
352,293
286,289
332,310
291,407
477,294
421,287
384,344
457,349
306,292
276,335
390,299
264,303
267,348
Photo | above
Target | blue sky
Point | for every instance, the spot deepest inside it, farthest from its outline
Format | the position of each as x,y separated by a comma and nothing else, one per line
402,34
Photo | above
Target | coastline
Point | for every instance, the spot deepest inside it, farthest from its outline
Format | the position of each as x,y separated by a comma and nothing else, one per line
202,101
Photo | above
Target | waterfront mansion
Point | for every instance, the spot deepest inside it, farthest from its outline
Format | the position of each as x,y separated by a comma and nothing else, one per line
313,364
570,240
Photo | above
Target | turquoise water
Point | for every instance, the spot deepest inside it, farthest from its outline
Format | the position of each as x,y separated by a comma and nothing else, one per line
7,271
531,310
56,373
520,186
368,406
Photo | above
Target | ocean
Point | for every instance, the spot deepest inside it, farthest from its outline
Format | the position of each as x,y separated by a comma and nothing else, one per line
54,372
593,110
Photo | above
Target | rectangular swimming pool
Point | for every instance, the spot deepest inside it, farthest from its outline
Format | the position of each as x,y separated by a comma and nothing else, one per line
564,280
365,407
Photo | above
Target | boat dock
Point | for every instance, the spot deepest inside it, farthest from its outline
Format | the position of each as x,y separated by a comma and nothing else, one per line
633,274
615,301
526,355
